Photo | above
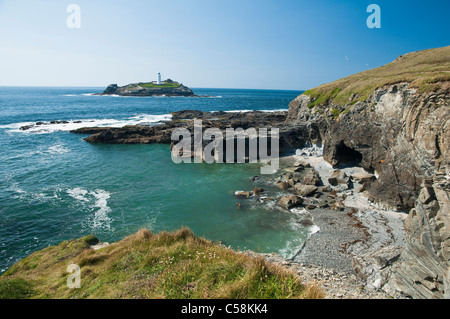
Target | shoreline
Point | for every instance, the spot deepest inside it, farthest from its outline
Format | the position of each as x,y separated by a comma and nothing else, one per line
346,238
329,257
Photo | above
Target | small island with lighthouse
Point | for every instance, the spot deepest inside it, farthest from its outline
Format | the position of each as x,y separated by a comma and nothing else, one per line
155,88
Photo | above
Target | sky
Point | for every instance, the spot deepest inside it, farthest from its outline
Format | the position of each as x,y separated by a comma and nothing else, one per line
254,44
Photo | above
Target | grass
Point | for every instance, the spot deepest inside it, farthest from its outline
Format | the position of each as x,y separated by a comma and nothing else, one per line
15,289
424,70
152,266
165,85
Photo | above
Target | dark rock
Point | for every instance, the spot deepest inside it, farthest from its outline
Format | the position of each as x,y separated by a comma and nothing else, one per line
111,89
258,191
283,185
26,127
338,177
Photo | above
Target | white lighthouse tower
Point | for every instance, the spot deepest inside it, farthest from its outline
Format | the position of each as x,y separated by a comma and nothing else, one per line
159,78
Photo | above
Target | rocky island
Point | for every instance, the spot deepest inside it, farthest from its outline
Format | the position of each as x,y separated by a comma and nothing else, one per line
164,88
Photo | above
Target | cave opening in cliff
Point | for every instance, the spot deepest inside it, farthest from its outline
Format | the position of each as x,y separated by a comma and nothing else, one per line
346,156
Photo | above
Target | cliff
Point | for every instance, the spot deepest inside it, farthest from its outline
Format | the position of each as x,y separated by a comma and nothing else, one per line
394,122
167,88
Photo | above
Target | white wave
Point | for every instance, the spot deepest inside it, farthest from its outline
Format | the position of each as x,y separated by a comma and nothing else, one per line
314,229
58,149
47,127
299,211
16,189
78,194
101,218
97,201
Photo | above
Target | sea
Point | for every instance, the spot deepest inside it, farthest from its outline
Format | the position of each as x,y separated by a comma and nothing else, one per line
54,186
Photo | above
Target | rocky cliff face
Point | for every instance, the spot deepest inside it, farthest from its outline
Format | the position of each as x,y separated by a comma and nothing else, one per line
398,134
423,270
402,135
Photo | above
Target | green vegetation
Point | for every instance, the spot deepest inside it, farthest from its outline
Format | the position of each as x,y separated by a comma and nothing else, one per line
146,265
322,98
336,112
15,289
163,85
425,70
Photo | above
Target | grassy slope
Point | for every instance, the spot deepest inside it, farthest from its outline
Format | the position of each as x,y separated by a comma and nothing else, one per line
424,70
165,85
144,265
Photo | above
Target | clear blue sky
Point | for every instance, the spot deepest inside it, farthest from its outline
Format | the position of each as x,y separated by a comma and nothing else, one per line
266,44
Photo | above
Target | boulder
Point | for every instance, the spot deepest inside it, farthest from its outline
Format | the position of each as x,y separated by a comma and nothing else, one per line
312,178
258,191
292,182
302,164
243,195
325,189
339,177
305,190
291,201
283,185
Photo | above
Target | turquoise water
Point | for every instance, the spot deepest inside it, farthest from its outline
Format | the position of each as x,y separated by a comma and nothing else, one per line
54,186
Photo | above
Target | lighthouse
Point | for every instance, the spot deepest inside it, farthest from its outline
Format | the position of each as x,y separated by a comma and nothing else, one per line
159,78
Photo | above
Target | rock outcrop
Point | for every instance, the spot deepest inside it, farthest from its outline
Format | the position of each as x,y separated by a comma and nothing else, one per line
149,89
399,133
162,133
423,268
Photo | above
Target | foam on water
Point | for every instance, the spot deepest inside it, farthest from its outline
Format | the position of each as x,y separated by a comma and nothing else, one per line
97,202
101,219
47,127
78,194
58,149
